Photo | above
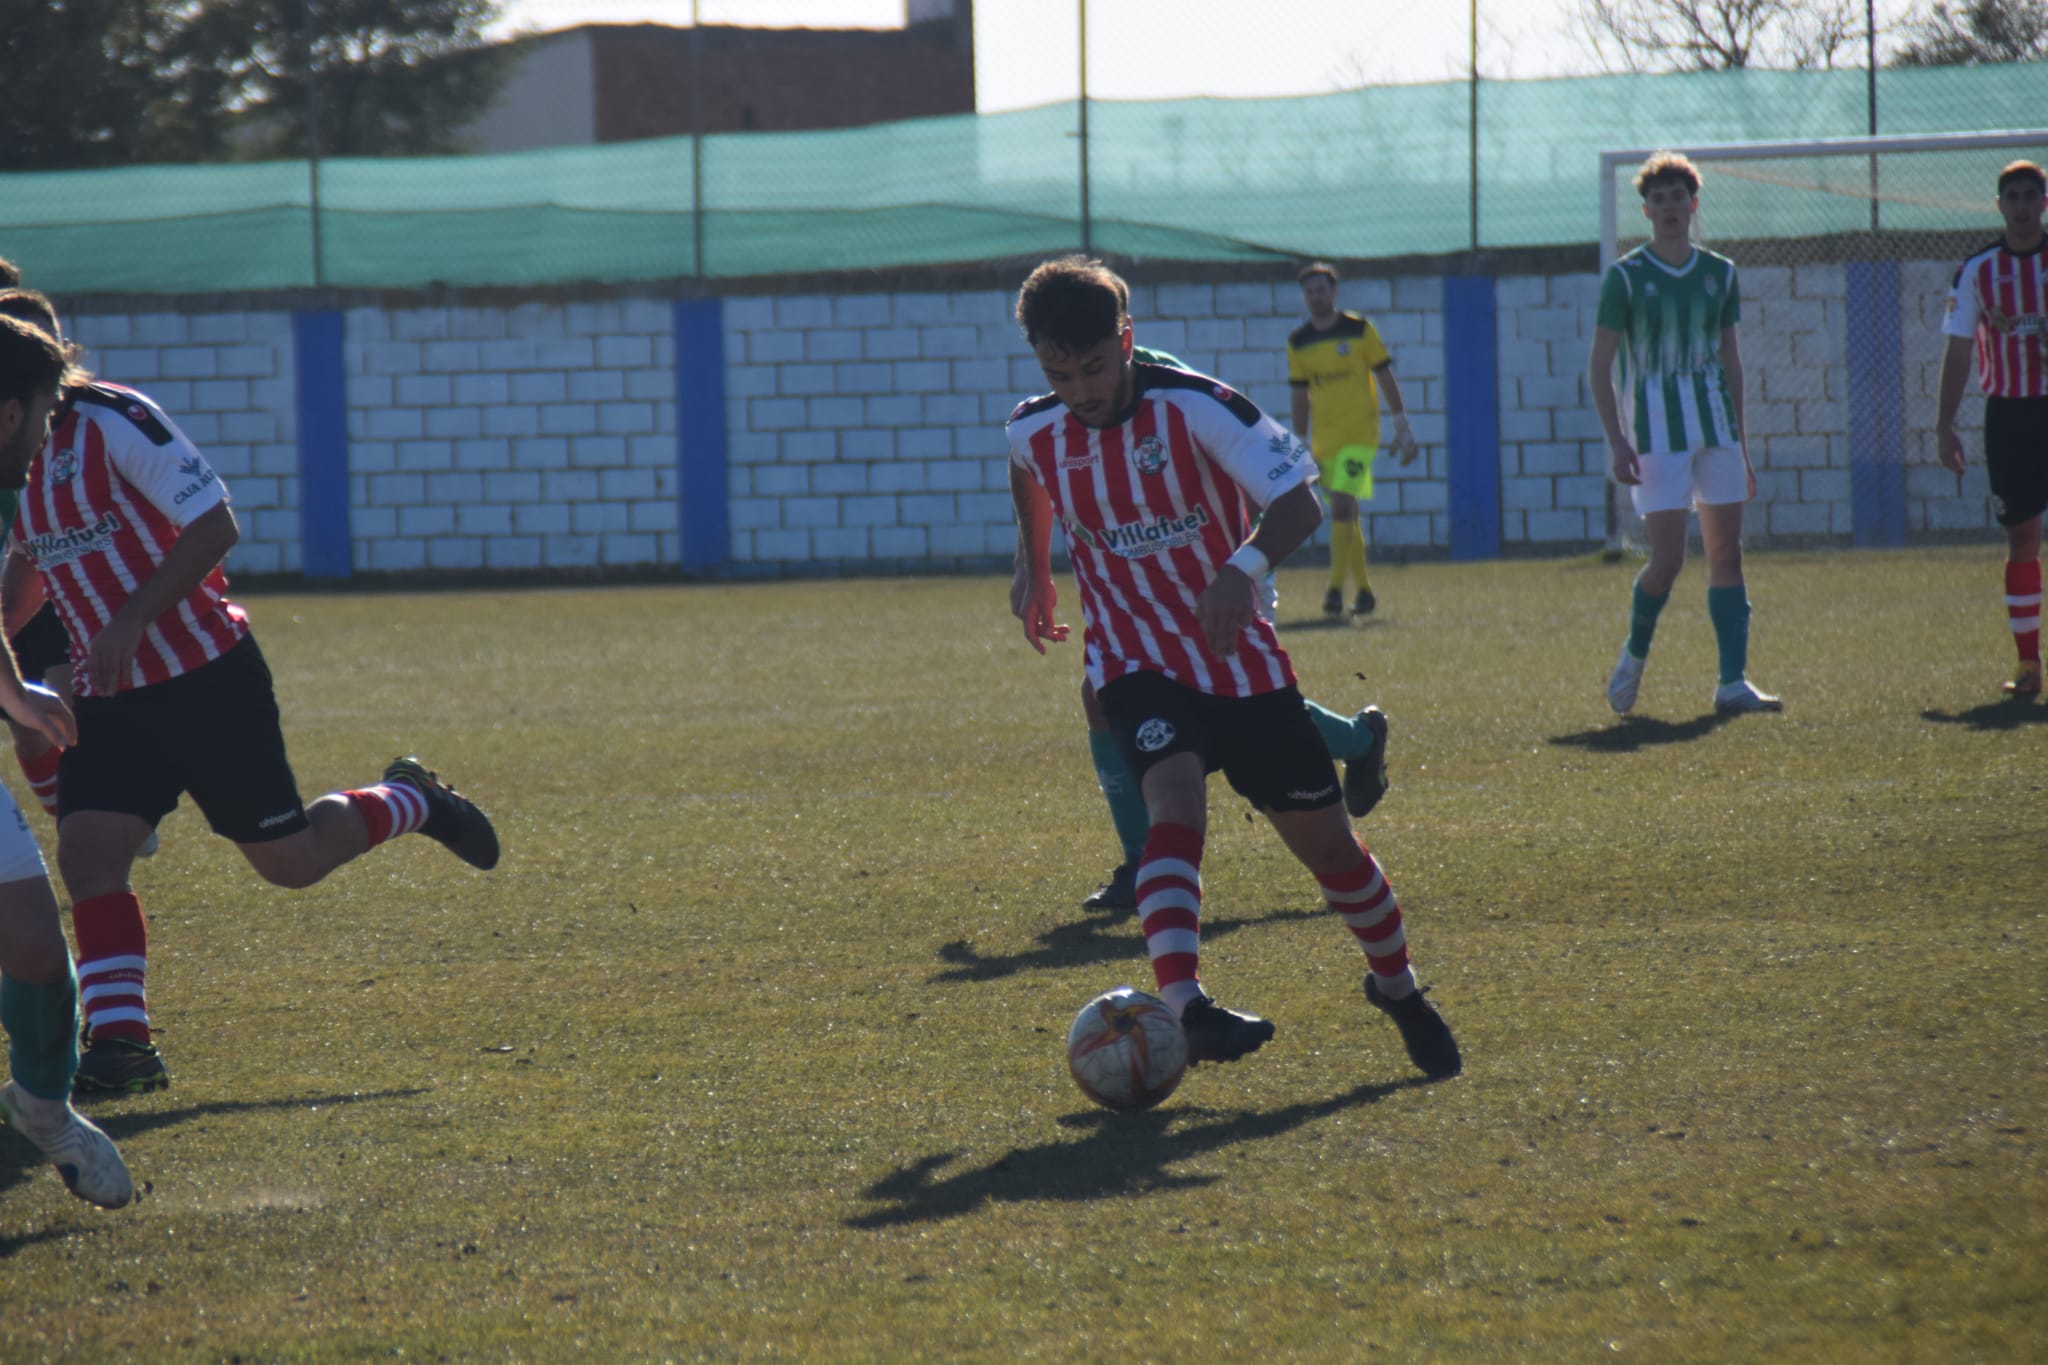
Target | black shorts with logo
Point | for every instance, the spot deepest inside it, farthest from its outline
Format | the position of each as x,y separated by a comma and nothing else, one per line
2016,457
1266,746
42,644
213,732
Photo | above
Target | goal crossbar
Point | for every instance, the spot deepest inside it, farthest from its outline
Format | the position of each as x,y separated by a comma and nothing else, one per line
1610,220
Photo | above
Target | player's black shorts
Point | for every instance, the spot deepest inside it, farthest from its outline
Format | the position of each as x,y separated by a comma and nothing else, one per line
42,644
1266,746
2016,457
213,732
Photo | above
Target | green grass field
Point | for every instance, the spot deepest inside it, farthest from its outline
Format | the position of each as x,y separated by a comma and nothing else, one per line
753,1045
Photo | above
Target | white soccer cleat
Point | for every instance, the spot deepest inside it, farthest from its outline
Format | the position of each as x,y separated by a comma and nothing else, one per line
1740,697
86,1159
1623,682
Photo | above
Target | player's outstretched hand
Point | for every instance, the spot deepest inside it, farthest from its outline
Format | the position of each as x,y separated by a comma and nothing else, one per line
1948,448
43,711
1628,470
1406,448
112,657
1225,608
1032,601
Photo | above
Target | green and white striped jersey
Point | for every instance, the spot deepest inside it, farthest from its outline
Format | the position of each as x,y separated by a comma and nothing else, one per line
1671,319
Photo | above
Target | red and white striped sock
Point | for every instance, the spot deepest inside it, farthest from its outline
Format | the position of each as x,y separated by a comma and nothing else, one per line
389,809
2023,607
113,959
1365,900
1170,910
41,772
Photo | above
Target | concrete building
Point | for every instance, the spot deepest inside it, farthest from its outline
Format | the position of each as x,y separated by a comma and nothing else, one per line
620,82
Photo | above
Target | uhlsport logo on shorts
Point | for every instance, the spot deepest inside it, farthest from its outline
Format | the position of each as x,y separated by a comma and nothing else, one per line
1154,735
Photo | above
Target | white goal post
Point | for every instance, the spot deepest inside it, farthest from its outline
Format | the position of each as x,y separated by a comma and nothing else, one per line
1845,249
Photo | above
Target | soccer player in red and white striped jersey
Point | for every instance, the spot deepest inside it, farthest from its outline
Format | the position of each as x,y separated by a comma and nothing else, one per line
127,525
1154,473
2000,308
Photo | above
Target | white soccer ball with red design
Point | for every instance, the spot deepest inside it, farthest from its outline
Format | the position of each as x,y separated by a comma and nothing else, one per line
1126,1050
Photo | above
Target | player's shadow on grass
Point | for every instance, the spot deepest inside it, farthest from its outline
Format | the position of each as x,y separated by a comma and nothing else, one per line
21,1161
1123,1155
1634,733
1112,937
1330,623
2008,714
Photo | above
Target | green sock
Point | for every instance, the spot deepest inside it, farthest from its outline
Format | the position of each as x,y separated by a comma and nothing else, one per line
1126,803
1728,609
42,1034
1343,736
1642,619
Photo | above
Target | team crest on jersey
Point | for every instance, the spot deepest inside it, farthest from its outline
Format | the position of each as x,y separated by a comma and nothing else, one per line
1149,455
1709,286
1649,289
1154,735
64,466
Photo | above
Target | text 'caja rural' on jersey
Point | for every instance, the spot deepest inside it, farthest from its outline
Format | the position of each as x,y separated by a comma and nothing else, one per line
107,495
1336,367
1671,319
2001,298
1152,507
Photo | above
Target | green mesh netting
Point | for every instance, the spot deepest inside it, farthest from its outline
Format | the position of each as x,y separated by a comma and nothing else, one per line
1377,172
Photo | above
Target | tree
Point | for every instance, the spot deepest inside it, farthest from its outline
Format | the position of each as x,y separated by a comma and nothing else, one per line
1719,35
118,82
1976,31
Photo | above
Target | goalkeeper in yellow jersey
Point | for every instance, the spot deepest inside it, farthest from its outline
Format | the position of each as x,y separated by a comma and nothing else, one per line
1337,367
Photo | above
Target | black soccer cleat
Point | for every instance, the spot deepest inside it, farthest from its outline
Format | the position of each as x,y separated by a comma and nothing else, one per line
1216,1034
1120,892
1423,1031
118,1066
1365,603
1333,602
1365,777
453,820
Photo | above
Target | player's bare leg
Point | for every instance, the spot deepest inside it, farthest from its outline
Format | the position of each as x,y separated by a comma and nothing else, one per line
335,833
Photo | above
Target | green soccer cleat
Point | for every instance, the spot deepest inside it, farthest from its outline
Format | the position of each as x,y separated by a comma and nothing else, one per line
1365,777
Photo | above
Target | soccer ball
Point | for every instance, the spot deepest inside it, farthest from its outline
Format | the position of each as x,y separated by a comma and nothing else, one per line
1126,1050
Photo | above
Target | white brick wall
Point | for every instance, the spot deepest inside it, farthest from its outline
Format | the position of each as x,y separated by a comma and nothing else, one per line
867,428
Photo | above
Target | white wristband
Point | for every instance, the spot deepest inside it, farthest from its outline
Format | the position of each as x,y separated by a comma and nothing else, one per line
1250,561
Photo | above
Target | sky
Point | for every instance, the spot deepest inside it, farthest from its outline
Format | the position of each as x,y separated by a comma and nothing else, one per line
1026,51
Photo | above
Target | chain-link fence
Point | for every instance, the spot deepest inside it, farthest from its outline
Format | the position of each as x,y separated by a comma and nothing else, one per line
1375,172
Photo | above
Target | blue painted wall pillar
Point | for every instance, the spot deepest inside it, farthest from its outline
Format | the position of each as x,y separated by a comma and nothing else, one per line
1877,448
325,547
703,509
1472,415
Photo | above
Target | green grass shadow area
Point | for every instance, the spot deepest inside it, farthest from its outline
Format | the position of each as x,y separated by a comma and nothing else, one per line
751,1047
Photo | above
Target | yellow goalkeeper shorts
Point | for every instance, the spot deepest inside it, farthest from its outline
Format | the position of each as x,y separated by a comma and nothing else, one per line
1349,471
